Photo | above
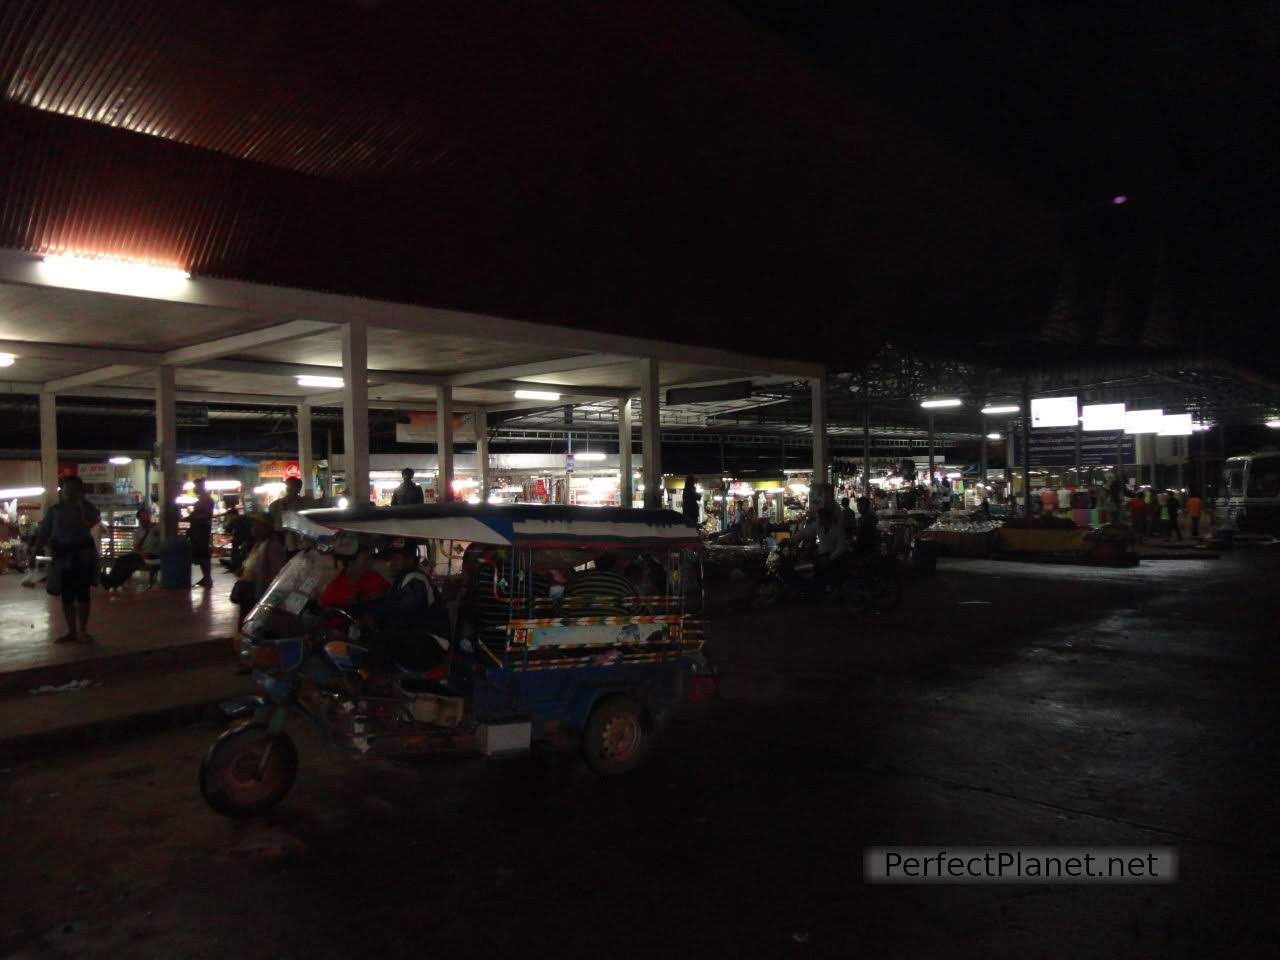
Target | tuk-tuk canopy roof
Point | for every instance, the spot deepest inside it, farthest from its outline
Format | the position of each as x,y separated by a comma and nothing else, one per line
509,525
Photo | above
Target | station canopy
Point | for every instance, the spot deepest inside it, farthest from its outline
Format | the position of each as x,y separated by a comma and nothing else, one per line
507,194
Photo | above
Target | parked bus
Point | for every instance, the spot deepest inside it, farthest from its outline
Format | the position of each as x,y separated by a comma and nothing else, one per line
1251,492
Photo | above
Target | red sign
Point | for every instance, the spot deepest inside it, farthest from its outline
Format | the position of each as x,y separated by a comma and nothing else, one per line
279,469
66,470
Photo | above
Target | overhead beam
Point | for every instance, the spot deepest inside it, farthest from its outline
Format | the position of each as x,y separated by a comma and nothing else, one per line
566,391
519,371
73,353
99,375
267,368
239,342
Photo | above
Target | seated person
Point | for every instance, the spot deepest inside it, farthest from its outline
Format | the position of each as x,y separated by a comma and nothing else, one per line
602,591
146,546
411,621
356,583
486,605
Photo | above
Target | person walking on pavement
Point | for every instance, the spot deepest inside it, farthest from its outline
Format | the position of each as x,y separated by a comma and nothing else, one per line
1194,509
690,499
200,534
67,529
1170,515
1138,515
408,491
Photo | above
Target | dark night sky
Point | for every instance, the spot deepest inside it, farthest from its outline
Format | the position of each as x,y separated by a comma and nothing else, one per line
1171,105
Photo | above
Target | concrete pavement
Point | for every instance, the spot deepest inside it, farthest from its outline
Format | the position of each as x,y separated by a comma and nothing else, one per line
1004,703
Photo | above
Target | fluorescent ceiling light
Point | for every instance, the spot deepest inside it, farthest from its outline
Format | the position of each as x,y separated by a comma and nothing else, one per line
1054,412
946,402
128,277
121,461
536,395
1143,421
1175,425
1102,416
1274,424
6,359
309,381
1002,408
993,436
17,493
214,485
592,457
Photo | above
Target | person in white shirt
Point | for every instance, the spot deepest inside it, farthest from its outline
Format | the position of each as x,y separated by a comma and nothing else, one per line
828,530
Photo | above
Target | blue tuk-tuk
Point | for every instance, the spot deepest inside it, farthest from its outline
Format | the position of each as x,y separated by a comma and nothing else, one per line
450,628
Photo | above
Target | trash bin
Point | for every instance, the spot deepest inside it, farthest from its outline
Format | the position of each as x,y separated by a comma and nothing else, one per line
175,564
924,556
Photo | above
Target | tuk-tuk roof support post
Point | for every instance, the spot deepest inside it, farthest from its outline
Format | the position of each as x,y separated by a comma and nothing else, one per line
355,409
651,433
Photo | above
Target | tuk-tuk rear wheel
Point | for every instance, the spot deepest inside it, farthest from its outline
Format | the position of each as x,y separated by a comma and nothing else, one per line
616,737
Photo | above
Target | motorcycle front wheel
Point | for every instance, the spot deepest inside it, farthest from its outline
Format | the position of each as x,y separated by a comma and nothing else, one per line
248,770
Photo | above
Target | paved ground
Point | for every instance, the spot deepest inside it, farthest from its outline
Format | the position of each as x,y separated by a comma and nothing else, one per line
1005,703
122,622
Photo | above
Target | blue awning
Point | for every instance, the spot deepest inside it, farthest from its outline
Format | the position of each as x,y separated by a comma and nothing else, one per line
201,460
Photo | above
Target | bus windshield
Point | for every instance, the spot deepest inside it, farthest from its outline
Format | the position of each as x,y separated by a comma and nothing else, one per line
1264,477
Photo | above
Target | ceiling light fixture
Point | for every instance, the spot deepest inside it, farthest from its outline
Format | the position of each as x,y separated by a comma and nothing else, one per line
17,493
993,436
309,381
113,275
536,395
945,402
121,461
1001,408
6,359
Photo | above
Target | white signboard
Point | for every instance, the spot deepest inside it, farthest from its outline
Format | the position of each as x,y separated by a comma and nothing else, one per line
1054,412
96,472
1103,416
1175,425
1143,421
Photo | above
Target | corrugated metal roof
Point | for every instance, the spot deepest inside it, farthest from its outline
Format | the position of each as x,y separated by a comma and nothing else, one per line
595,162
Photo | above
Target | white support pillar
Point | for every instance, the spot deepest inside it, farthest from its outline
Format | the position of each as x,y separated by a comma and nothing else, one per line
481,420
625,486
49,448
444,442
355,410
821,449
305,460
651,434
167,443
